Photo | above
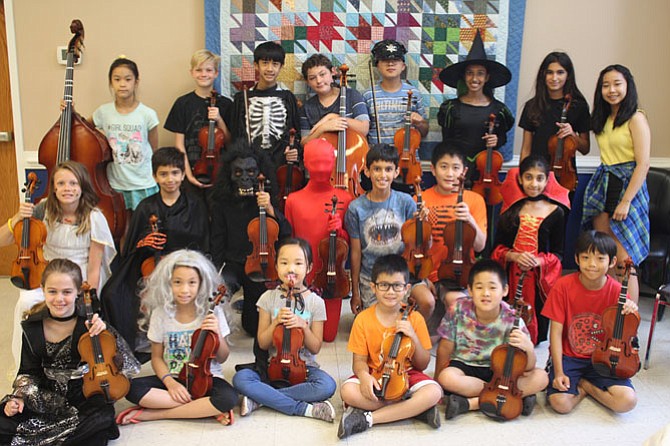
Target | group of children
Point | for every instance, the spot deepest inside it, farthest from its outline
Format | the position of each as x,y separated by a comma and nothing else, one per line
172,227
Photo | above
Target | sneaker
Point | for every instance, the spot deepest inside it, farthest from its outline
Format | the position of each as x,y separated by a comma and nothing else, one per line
528,405
353,421
456,405
247,406
430,417
323,411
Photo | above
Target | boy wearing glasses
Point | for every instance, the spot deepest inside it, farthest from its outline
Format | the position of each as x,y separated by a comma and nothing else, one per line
389,282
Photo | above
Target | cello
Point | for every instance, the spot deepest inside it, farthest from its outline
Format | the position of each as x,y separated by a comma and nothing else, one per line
332,278
416,234
30,234
459,238
290,177
488,164
562,152
103,376
407,140
501,397
287,367
196,374
351,148
74,138
263,234
616,356
211,140
397,352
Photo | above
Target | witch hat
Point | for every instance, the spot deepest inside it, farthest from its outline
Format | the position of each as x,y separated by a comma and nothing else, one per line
499,74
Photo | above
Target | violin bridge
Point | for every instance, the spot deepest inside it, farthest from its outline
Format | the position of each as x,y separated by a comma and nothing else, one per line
501,387
101,373
193,365
285,361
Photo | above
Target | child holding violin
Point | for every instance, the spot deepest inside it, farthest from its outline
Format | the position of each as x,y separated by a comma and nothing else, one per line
180,222
293,307
76,229
541,115
175,303
193,111
390,282
47,392
470,331
575,306
321,113
531,233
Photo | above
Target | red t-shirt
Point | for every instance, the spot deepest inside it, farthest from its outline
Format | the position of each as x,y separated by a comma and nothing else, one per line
580,311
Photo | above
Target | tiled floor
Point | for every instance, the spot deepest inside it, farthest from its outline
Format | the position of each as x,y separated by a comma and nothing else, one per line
589,424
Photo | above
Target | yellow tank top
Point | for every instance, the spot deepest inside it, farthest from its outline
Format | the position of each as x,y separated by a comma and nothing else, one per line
616,145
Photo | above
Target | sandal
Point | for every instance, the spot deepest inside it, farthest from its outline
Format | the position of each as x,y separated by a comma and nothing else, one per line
231,418
132,420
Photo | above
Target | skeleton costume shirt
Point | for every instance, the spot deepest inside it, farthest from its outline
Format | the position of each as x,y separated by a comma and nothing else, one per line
272,113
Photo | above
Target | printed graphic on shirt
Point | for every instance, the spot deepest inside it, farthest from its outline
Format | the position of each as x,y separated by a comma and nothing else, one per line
126,142
381,232
438,217
585,332
178,349
267,119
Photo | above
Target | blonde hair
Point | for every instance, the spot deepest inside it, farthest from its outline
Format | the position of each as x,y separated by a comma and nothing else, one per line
157,289
202,56
87,200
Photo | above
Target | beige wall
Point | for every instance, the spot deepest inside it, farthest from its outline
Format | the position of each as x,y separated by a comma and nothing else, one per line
160,36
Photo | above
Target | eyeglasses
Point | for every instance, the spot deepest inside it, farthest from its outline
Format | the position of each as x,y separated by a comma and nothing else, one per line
385,286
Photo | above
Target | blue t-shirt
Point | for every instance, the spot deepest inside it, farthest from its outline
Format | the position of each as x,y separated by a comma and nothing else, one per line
392,107
378,226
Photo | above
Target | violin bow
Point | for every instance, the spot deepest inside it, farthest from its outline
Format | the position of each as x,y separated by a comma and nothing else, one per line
246,114
374,101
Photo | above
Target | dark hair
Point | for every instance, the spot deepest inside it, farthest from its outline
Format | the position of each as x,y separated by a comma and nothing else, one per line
595,241
539,104
382,152
167,156
316,60
487,89
123,62
389,264
534,161
269,51
487,266
302,243
443,149
602,110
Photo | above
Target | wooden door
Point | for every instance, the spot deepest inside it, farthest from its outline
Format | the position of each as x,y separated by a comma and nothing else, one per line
9,201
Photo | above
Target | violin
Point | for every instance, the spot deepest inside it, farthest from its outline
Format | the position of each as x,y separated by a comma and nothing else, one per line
524,309
103,376
290,177
562,152
408,140
397,352
488,164
459,237
287,366
351,148
416,234
196,374
332,278
74,138
149,264
501,397
30,234
211,140
263,234
616,356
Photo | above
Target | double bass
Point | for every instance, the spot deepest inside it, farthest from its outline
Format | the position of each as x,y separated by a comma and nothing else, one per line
407,140
562,152
501,397
397,351
416,234
290,177
287,366
488,164
30,234
459,238
74,138
616,356
332,278
103,376
211,140
263,234
196,374
351,146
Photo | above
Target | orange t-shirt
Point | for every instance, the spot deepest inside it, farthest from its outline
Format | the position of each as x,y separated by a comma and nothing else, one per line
368,334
